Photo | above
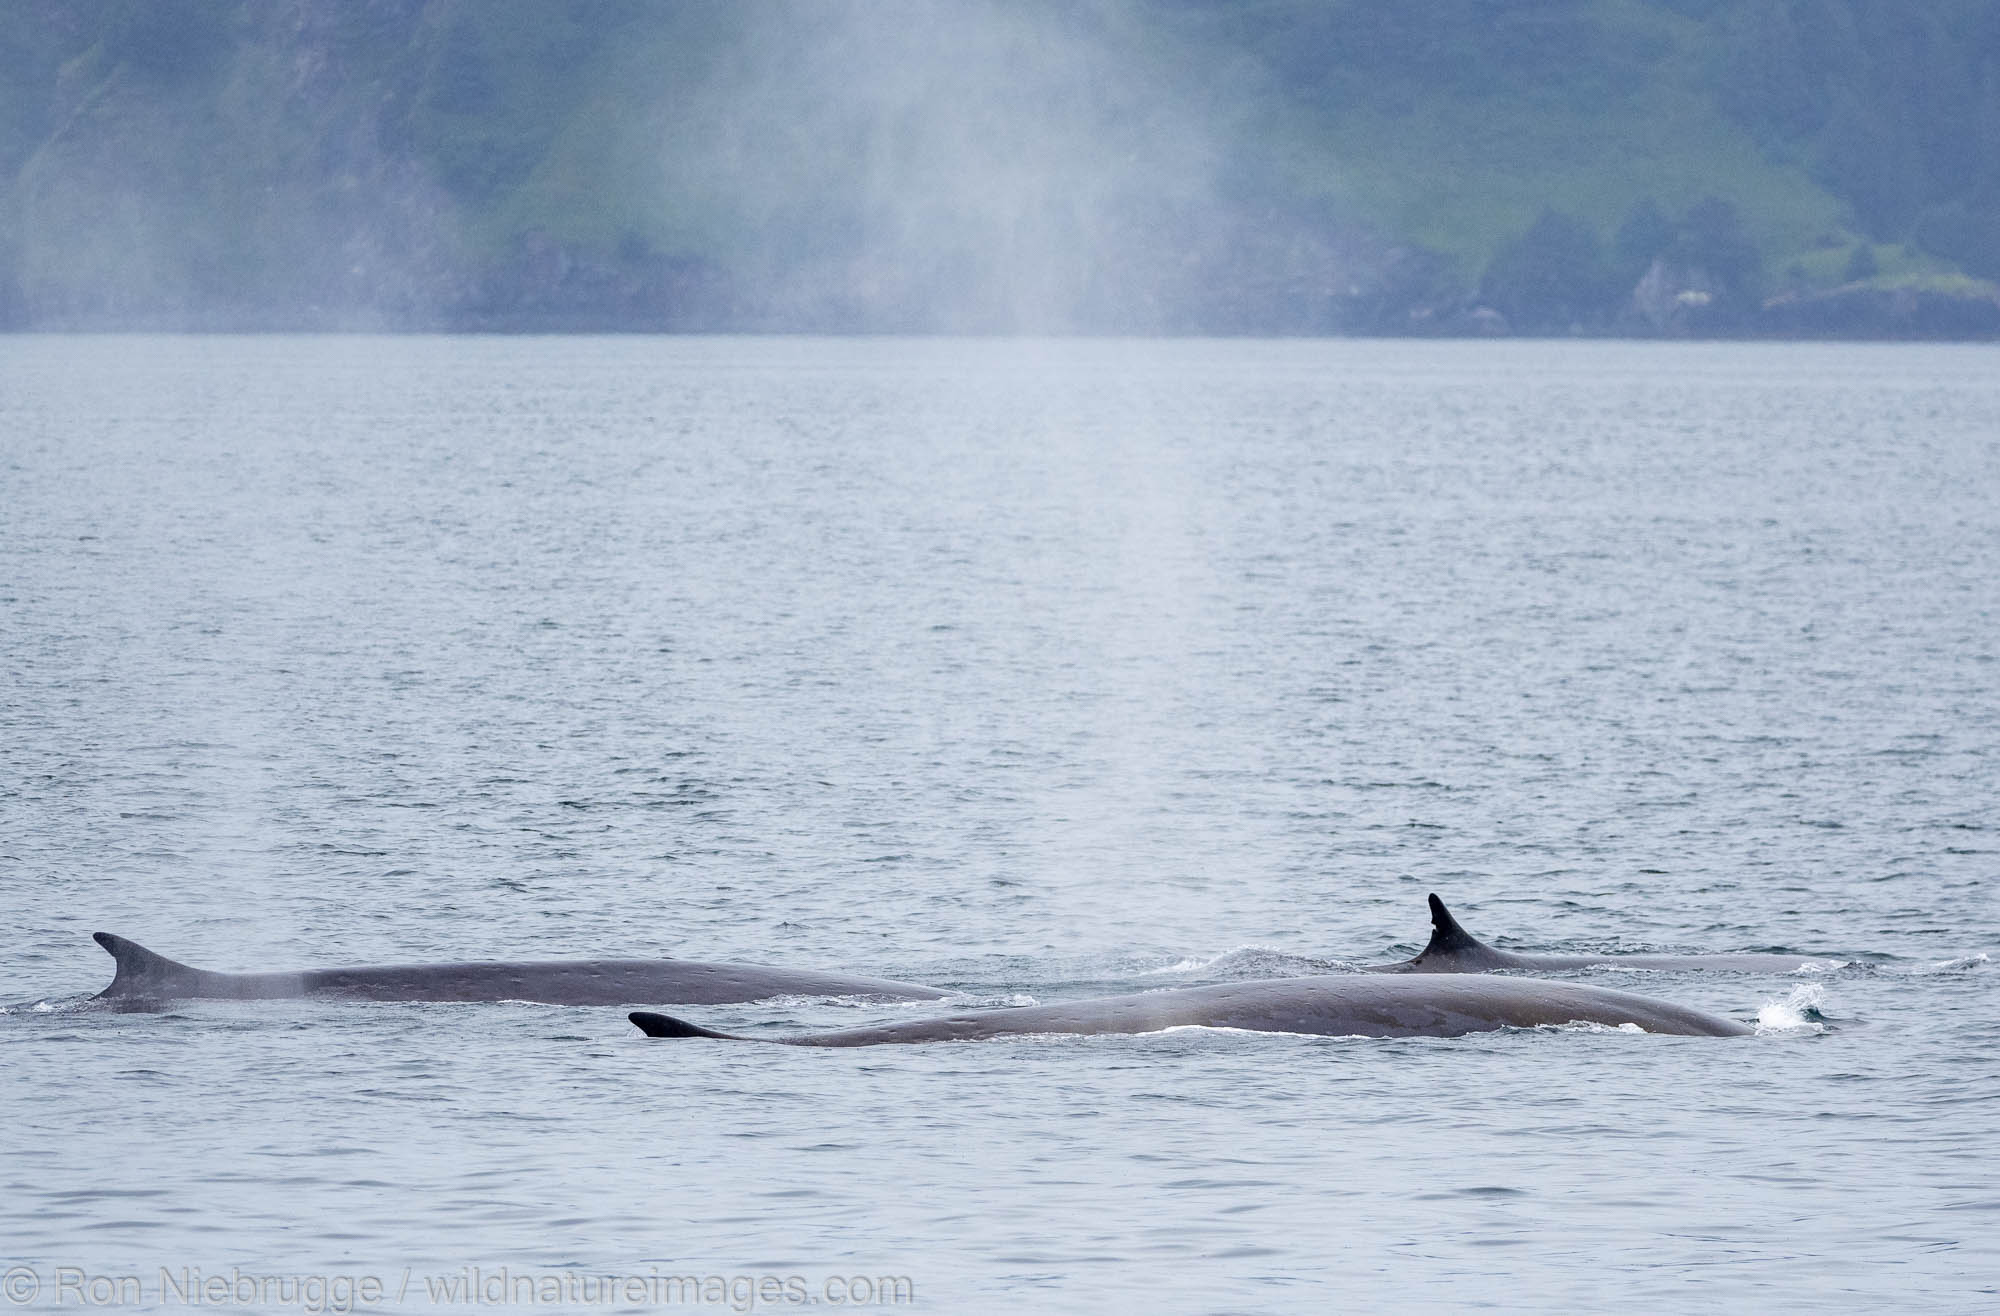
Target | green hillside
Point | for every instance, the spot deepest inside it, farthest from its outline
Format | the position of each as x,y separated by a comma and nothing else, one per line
1123,165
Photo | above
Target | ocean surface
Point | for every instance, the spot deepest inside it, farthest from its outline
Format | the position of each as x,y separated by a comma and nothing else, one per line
1036,670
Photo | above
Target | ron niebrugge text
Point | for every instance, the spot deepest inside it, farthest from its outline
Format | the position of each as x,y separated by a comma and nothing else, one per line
336,1293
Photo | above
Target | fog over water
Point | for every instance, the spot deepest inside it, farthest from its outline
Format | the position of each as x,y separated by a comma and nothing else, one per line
1036,669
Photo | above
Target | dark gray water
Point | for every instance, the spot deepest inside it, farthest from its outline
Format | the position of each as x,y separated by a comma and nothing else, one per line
1036,670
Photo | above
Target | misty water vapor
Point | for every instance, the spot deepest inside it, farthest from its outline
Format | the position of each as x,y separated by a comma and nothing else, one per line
972,167
914,166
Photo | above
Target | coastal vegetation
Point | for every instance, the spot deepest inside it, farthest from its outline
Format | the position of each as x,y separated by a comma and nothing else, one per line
1278,166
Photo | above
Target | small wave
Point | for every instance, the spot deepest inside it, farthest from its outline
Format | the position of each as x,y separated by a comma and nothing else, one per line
1222,1028
1821,966
1576,1026
1960,965
955,1001
36,1007
1246,962
1799,1012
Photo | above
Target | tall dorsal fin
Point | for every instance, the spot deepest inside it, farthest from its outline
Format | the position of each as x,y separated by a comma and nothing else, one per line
1453,944
142,972
1447,938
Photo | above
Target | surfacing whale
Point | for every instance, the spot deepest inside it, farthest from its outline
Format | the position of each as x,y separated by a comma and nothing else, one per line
1346,1005
1454,950
146,976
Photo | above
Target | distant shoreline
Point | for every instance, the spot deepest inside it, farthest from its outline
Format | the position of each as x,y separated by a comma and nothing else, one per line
282,330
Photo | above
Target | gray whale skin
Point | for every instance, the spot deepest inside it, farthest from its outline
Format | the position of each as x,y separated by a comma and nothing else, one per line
1454,950
146,976
1346,1005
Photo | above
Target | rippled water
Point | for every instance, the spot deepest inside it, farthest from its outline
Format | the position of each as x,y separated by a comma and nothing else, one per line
1038,671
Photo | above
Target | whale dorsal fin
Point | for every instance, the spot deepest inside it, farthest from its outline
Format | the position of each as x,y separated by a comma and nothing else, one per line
1452,943
1447,938
142,972
665,1025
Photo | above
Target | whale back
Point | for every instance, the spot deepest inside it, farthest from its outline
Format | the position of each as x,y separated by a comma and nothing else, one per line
145,975
1340,1005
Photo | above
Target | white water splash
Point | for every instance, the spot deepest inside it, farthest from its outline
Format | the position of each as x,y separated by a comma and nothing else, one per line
1180,966
1798,1012
971,1001
1577,1026
1959,965
956,1001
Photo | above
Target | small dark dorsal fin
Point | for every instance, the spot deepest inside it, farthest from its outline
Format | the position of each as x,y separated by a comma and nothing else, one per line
665,1025
1452,942
142,972
1447,938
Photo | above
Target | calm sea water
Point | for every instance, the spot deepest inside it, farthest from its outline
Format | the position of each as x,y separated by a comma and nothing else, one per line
1035,670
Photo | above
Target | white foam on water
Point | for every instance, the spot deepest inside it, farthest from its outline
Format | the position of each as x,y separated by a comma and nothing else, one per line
1242,962
961,1001
1578,1026
1223,1028
1798,1012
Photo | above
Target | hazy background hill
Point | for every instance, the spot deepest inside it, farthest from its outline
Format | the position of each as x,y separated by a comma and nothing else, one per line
1653,166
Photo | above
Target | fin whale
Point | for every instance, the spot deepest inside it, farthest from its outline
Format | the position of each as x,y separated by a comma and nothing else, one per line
145,975
1345,1005
1454,950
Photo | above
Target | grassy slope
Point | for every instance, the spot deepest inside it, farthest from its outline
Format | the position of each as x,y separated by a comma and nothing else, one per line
1460,164
602,125
1459,173
624,140
1465,173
